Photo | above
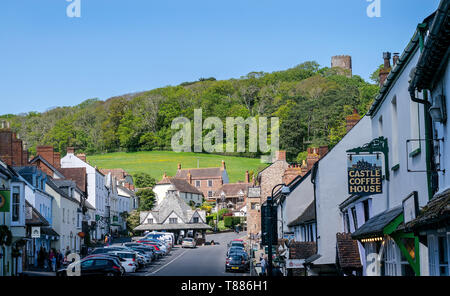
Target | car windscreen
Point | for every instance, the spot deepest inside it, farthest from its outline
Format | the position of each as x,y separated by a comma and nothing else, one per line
126,255
99,251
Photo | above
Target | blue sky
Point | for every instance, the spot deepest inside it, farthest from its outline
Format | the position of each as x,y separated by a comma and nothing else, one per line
48,59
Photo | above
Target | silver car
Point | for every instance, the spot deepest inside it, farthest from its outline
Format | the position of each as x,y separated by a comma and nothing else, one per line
188,243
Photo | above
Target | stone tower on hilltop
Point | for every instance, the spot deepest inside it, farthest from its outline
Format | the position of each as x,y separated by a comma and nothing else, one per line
342,61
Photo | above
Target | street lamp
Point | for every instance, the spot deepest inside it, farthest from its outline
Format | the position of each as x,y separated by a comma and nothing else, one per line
284,190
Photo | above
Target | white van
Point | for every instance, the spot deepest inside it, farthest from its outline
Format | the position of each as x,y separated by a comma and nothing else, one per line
168,237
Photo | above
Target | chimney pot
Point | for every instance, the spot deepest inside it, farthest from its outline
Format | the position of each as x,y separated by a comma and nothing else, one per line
70,150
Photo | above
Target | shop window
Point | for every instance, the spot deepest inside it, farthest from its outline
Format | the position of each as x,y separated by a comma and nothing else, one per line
366,210
16,204
443,255
390,259
355,219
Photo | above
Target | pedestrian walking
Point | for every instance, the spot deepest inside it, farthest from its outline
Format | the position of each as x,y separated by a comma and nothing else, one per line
263,265
45,257
52,259
59,259
40,258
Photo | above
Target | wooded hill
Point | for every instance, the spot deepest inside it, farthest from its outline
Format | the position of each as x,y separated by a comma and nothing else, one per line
311,102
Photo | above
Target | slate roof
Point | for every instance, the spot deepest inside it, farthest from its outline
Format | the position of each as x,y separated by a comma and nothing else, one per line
302,250
436,212
233,189
375,225
54,186
172,203
36,218
436,47
308,215
202,173
347,251
180,184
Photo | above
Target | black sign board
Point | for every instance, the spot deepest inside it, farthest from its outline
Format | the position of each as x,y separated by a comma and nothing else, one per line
364,174
268,224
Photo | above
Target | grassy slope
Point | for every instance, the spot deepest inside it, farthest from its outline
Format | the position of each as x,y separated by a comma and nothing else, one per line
156,163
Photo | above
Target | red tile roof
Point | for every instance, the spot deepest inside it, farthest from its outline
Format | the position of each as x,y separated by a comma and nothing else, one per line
348,251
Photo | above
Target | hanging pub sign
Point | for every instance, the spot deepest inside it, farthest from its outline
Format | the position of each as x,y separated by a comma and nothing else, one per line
364,174
4,200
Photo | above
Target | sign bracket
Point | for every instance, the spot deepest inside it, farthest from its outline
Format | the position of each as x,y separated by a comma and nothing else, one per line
376,145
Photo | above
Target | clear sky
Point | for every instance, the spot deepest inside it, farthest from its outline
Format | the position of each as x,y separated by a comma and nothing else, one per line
120,46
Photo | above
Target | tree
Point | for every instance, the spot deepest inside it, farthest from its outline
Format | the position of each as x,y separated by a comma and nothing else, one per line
146,199
143,180
375,77
133,220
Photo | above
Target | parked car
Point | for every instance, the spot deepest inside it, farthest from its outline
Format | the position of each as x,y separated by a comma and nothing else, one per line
96,266
236,244
149,250
188,242
161,244
235,262
156,249
235,250
129,264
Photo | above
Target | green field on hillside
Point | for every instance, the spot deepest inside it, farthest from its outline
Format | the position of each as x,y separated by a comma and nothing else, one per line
156,163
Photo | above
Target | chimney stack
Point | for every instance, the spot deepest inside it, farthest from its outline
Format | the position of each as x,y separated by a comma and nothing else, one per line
223,165
386,68
352,120
179,166
395,59
247,177
280,155
70,150
46,152
57,160
189,177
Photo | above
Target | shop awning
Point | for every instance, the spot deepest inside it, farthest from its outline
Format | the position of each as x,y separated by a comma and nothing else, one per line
50,232
376,226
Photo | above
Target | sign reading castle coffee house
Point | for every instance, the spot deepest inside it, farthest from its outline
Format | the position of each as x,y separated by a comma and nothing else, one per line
364,174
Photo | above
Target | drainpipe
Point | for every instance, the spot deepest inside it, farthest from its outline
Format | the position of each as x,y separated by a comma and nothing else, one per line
428,127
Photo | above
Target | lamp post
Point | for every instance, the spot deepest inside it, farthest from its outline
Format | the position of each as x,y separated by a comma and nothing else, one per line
284,190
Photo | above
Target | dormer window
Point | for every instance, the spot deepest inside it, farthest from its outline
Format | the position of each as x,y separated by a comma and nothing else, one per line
195,220
173,220
150,221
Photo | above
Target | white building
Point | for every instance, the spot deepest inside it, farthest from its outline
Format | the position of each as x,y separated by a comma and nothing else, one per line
97,193
189,193
67,214
432,78
12,215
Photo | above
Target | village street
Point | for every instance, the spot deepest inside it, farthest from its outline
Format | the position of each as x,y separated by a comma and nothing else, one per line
201,261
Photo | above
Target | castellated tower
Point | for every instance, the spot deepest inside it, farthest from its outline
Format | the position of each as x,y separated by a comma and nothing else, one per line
342,61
